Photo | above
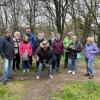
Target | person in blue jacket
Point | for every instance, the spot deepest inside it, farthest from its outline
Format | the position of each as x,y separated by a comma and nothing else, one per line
30,34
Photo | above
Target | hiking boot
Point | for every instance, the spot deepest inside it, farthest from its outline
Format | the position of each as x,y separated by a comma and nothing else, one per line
87,74
5,82
90,76
69,71
51,76
37,77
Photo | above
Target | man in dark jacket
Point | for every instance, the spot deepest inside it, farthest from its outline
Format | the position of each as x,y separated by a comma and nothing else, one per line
7,53
44,54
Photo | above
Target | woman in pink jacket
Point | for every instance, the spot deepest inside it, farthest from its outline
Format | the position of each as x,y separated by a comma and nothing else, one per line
25,51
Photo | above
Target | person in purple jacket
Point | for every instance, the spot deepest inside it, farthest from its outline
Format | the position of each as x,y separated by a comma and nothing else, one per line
58,49
90,52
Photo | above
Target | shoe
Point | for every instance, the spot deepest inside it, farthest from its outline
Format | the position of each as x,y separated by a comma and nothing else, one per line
90,76
28,70
69,71
87,74
50,76
37,77
23,70
4,82
73,73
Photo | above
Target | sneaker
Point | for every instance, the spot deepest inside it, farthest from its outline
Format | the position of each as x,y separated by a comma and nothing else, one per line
69,71
28,70
4,82
23,70
90,76
73,73
50,76
37,77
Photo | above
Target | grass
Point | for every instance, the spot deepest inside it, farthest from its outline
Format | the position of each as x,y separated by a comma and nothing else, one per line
14,90
78,91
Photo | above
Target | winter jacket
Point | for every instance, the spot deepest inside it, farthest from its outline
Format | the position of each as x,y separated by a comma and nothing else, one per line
25,46
91,50
73,49
16,45
66,42
48,56
58,47
37,43
6,47
31,38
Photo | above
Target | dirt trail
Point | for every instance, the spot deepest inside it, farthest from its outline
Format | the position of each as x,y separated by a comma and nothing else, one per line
41,89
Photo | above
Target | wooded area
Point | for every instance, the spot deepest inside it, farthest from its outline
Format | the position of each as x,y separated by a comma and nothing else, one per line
80,16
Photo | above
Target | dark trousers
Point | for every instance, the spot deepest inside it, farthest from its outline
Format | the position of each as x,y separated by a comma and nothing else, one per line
16,61
57,59
30,61
66,59
25,64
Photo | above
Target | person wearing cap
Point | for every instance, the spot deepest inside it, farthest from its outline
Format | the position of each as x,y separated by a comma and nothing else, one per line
73,49
31,39
44,55
16,60
67,40
58,49
89,53
7,54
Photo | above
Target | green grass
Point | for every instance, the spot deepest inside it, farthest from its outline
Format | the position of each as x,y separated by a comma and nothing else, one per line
14,90
78,91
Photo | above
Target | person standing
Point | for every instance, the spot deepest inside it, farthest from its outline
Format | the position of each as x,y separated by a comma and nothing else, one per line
73,49
66,43
7,54
25,51
90,51
31,39
58,49
16,60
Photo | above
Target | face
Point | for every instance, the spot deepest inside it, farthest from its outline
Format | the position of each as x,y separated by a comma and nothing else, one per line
28,30
58,37
26,38
74,38
8,34
40,36
17,36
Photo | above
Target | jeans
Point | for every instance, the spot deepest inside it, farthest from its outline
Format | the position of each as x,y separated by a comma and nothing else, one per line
89,65
72,63
25,65
57,59
7,69
40,67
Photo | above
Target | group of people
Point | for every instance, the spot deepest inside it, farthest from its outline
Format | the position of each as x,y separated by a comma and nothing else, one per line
17,48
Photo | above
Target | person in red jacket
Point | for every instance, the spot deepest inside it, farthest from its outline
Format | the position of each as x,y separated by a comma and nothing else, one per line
58,49
25,51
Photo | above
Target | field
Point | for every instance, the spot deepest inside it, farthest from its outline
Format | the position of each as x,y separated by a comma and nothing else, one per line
62,87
